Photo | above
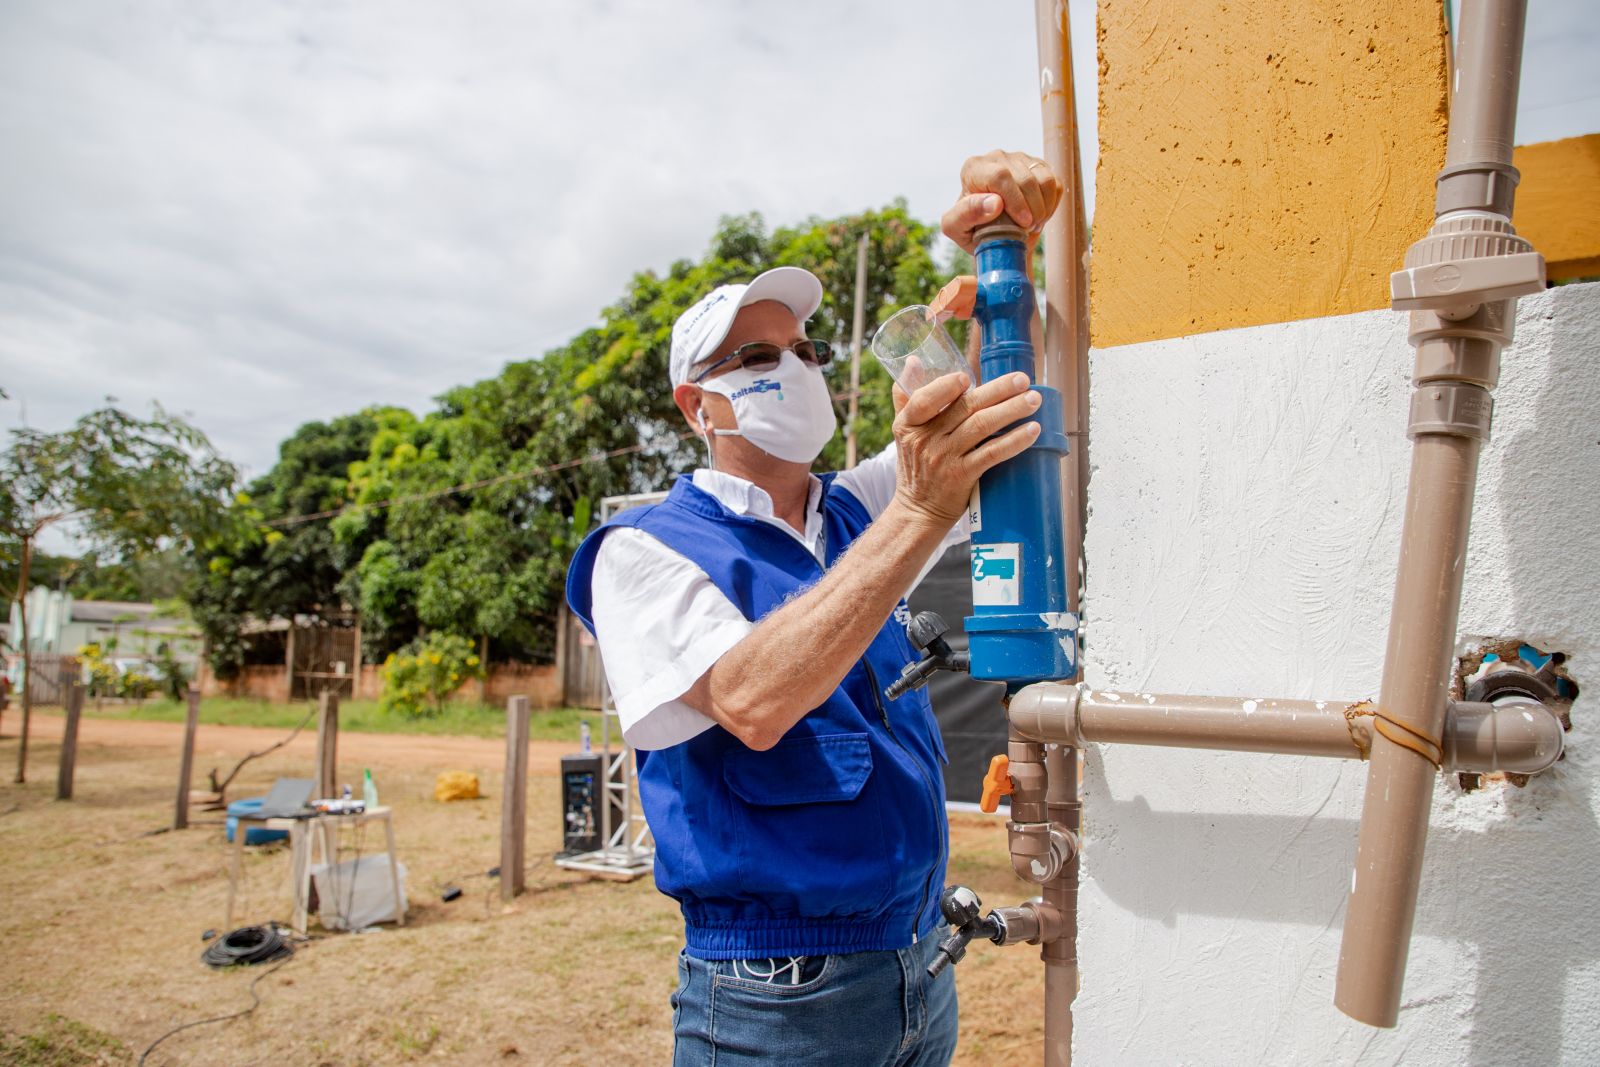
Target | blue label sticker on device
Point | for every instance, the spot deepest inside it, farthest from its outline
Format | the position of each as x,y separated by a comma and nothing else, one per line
997,575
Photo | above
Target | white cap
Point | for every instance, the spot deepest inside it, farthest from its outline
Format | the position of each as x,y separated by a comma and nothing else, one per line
699,331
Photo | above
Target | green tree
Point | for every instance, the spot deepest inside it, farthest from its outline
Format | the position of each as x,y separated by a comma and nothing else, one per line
128,486
540,444
272,564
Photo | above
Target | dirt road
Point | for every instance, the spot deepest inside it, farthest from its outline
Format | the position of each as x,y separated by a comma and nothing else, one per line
410,751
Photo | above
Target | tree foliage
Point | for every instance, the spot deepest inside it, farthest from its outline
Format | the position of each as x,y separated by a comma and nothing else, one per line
269,566
536,447
127,486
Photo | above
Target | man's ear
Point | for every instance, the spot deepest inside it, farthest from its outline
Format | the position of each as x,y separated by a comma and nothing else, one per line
687,397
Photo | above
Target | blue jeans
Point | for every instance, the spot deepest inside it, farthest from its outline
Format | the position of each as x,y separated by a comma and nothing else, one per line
864,1009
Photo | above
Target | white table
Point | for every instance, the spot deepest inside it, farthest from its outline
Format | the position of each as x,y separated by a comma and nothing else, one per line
316,830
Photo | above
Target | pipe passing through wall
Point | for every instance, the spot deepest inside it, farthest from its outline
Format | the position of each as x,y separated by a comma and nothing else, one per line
1517,738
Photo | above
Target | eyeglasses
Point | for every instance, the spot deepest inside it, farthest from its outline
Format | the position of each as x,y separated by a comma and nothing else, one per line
764,356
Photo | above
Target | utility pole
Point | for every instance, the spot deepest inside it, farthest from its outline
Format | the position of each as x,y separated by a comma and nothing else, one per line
856,330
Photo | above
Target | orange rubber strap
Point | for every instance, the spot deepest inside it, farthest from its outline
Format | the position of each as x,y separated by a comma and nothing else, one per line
996,783
1395,731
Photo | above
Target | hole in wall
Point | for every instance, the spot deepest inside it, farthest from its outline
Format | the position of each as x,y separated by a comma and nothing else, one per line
1512,669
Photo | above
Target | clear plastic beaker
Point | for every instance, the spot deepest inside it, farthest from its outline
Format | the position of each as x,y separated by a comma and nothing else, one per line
915,349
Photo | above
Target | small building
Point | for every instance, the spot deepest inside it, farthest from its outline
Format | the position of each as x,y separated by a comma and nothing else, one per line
129,630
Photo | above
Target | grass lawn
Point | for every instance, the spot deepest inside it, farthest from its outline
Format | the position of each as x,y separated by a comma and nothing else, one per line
362,716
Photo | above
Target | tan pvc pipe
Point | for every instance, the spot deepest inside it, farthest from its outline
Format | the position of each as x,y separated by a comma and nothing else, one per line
1519,738
1064,803
1427,597
1065,367
1415,692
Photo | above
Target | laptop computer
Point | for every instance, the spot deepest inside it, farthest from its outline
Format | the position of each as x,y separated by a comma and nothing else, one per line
289,798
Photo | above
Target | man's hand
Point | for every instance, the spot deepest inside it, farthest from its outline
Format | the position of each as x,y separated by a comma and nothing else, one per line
945,438
944,441
1011,183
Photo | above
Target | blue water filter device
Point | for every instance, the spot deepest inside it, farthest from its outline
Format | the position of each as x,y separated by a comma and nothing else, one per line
1020,630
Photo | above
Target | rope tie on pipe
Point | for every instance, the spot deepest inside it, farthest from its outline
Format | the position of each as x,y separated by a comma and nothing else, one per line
1408,737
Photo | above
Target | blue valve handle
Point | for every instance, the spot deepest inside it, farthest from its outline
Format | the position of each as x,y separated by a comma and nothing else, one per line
1020,630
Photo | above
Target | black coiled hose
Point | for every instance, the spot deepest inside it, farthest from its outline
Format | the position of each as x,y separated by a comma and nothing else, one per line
246,945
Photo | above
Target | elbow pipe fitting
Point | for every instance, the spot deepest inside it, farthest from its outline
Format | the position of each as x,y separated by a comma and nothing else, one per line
1048,712
1518,737
1039,850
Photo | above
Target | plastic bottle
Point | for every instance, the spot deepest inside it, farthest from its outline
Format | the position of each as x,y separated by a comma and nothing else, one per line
583,736
369,790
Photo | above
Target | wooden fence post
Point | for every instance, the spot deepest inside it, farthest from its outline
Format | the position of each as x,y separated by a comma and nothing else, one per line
180,819
514,800
69,743
327,744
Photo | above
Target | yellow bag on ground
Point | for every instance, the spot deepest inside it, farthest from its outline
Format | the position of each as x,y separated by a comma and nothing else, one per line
456,785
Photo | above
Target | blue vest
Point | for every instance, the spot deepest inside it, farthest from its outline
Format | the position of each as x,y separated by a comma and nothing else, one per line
832,841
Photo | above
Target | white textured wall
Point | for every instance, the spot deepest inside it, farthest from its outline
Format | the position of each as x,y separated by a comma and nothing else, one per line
1246,501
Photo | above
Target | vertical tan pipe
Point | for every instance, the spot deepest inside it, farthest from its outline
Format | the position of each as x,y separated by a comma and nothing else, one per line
1064,803
1483,107
1065,363
1444,465
1065,367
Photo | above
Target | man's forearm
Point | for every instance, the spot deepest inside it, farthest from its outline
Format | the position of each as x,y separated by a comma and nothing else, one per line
798,655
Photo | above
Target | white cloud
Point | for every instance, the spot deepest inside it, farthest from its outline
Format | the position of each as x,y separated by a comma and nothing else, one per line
266,213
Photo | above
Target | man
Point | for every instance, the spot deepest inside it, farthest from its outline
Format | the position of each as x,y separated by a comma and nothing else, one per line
748,628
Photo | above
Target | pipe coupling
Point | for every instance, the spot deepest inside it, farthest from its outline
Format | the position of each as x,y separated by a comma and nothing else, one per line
1454,408
1461,344
1028,923
1477,186
1040,851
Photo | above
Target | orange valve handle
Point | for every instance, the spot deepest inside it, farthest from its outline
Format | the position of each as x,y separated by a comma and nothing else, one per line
996,783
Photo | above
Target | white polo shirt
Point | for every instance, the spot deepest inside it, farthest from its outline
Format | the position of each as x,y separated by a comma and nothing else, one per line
660,622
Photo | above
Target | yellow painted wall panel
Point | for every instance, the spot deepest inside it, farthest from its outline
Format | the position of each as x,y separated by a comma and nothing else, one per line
1260,162
1558,204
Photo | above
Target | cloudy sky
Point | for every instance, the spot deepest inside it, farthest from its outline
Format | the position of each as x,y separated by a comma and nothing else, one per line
267,212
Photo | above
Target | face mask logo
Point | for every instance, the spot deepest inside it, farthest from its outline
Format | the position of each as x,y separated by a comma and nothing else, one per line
760,385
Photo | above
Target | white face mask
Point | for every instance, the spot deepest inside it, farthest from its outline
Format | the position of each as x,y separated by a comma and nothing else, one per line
785,412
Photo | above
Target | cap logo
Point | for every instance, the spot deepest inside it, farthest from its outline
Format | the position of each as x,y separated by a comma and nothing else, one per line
710,302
